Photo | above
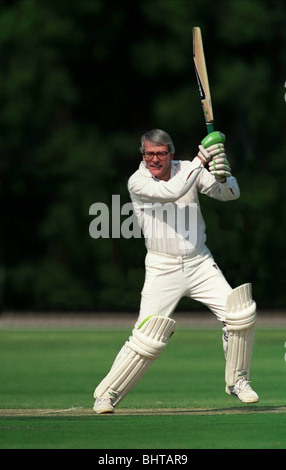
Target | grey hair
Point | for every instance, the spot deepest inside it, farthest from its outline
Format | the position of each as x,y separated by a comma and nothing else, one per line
157,137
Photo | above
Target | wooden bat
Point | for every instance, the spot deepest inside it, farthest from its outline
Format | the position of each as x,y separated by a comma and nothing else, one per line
204,89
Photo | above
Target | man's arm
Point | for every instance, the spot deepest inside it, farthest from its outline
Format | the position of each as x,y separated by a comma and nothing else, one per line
218,183
146,189
226,191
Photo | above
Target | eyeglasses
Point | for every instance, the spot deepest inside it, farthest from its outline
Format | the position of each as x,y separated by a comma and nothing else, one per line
151,155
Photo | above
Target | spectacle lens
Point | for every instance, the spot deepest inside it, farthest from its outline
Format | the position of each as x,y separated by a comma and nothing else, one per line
151,155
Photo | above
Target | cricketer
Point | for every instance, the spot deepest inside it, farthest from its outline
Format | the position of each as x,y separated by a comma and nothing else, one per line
178,265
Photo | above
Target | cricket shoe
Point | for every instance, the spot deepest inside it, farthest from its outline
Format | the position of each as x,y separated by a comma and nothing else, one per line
243,391
103,405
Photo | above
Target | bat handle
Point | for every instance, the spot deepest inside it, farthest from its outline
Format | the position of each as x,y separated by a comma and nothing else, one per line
213,138
210,127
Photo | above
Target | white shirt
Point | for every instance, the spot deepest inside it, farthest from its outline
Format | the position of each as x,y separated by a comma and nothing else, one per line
169,213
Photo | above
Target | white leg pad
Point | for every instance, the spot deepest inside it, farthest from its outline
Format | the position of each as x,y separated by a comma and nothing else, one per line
240,324
144,346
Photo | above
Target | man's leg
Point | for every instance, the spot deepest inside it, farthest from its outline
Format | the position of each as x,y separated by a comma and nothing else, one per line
144,346
237,310
240,324
161,292
163,288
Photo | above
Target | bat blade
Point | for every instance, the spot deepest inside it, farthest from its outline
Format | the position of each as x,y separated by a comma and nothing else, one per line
202,78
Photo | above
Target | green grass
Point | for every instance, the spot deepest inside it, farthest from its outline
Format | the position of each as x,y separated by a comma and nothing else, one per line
60,369
146,432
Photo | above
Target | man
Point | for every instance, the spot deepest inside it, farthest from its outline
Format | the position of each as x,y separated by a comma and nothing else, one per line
178,263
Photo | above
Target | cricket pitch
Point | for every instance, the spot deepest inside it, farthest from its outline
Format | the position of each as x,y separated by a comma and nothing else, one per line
74,411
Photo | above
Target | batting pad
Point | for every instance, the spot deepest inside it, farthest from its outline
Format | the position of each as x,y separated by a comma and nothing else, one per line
240,324
139,352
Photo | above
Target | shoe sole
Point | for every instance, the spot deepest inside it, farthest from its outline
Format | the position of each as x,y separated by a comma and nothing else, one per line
104,411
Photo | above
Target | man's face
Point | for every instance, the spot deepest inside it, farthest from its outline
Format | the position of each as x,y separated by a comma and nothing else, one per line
158,165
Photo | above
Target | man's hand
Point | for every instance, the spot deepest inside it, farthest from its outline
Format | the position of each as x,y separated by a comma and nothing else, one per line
219,165
205,155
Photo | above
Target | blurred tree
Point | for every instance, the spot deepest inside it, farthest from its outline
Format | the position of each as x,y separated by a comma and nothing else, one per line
80,82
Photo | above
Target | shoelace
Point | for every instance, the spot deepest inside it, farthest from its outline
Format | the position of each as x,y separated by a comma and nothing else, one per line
242,384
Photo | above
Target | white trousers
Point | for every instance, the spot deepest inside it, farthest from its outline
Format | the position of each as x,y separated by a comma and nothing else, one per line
169,278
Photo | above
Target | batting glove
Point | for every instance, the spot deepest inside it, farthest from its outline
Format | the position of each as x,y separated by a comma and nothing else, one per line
220,168
211,152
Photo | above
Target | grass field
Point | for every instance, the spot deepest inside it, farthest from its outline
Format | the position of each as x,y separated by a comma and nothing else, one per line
47,380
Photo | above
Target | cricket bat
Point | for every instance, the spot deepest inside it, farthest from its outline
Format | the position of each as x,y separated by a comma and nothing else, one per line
213,136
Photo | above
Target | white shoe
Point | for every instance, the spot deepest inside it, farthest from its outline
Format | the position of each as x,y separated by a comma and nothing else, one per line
243,391
103,405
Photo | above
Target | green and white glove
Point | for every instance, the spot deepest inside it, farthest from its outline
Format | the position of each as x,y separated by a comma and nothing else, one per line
219,166
207,154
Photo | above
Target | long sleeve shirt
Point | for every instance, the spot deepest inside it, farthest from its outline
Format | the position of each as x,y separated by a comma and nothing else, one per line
169,213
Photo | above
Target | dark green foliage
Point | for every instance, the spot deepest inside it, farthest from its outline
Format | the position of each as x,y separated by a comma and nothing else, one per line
80,81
